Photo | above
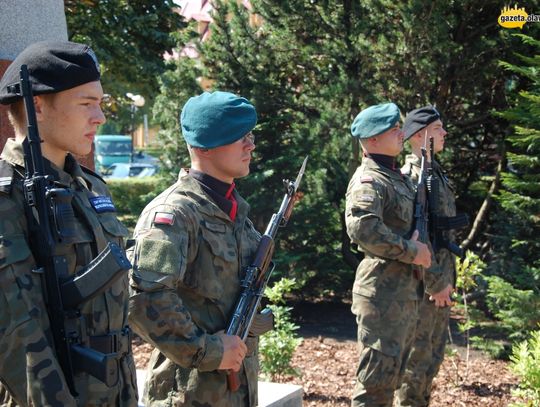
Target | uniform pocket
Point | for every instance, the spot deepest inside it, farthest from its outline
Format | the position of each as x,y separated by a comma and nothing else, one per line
404,203
220,243
112,225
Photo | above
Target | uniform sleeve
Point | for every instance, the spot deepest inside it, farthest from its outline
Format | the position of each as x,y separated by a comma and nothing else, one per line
365,226
156,312
28,366
441,274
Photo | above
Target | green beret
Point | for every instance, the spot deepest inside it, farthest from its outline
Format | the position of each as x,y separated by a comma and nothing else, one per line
216,119
375,120
53,66
419,119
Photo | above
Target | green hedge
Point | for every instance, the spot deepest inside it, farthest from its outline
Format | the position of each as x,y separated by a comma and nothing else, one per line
131,195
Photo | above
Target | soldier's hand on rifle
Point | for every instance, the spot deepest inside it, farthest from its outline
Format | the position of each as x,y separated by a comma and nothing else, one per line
442,298
423,256
234,352
262,323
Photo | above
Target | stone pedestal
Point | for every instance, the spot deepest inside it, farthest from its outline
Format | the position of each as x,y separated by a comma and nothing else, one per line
270,394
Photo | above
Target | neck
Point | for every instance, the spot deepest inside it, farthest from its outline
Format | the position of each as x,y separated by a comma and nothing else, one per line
54,155
210,170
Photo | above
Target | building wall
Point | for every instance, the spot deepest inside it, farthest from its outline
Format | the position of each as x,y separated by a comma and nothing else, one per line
23,22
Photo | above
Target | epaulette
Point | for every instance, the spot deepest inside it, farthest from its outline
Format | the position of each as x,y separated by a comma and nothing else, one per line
90,172
6,177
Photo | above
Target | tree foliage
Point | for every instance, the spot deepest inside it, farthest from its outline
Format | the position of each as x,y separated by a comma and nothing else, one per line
130,38
514,291
310,66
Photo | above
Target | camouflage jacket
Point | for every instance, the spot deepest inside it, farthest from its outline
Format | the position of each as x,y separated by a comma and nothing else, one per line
187,267
378,214
28,366
445,260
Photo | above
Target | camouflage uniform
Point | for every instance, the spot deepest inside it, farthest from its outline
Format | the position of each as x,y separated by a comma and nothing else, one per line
185,281
28,367
431,330
379,212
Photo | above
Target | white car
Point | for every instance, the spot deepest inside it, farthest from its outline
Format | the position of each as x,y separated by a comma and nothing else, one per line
126,170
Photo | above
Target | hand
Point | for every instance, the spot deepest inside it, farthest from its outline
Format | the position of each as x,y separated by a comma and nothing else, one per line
234,352
423,256
442,298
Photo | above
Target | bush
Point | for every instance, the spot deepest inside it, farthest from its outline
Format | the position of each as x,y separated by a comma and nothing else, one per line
277,346
526,364
516,309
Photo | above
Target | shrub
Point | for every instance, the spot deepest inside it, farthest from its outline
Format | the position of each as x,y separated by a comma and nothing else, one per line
526,364
277,346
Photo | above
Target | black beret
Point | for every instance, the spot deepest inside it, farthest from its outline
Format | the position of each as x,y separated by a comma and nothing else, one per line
53,66
419,119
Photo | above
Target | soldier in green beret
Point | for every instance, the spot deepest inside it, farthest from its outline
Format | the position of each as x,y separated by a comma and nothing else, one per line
65,80
379,214
192,243
427,354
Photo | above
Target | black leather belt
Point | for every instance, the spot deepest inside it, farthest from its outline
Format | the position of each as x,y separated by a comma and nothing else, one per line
115,342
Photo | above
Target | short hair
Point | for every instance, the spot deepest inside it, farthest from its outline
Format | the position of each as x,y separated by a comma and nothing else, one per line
17,113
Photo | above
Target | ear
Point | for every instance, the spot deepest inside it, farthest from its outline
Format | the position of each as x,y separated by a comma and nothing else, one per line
39,106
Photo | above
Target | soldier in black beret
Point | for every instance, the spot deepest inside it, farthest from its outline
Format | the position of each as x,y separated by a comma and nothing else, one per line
421,125
65,79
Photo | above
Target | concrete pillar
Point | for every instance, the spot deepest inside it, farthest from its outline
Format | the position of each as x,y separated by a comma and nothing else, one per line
23,22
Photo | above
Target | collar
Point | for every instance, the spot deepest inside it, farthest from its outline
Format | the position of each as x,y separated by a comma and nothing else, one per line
416,161
369,162
13,153
386,161
194,189
221,188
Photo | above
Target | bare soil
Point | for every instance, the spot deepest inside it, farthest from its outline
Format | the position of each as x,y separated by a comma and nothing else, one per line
327,361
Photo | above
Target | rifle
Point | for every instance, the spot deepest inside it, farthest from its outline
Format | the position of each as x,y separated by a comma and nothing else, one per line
51,223
437,223
258,272
421,214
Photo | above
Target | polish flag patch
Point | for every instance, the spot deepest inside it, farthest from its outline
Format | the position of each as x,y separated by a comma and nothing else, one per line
163,218
366,178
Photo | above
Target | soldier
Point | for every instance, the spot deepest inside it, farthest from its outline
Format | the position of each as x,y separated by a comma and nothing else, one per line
434,310
65,79
379,213
192,242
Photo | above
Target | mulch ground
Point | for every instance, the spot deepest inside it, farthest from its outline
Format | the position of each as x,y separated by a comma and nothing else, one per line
327,361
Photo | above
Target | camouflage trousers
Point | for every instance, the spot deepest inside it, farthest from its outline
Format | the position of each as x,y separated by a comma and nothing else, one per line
426,356
386,331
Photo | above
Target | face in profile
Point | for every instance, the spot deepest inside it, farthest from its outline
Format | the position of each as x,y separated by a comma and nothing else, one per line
68,120
232,161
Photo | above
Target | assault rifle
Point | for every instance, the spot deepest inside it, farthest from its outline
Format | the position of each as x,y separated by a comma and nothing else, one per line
258,272
421,214
437,223
51,223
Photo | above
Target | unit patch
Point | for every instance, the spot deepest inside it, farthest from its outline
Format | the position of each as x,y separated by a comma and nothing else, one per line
366,198
102,204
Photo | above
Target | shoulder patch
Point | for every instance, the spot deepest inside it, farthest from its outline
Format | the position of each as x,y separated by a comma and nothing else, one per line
164,218
90,172
6,177
366,179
